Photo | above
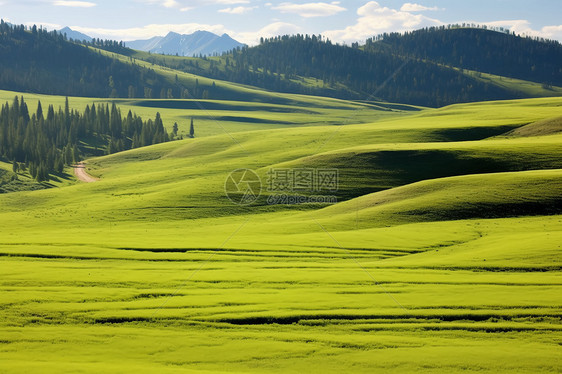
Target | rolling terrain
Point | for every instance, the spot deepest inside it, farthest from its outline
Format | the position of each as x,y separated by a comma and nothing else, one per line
435,247
442,252
390,69
430,67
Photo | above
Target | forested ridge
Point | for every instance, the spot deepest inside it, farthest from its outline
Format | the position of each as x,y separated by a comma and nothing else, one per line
38,61
486,51
44,142
423,67
366,75
414,68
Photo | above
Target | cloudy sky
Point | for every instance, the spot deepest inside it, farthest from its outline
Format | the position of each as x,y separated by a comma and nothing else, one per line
247,20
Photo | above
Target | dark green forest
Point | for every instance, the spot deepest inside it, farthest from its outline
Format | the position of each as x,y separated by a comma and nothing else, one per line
43,142
383,76
486,51
38,61
345,72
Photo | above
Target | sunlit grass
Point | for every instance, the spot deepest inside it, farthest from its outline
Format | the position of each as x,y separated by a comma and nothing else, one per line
443,254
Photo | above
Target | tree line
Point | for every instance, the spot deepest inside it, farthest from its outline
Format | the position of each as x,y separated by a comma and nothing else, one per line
43,142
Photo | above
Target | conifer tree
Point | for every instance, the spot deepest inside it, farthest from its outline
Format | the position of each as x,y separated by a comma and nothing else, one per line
191,129
39,112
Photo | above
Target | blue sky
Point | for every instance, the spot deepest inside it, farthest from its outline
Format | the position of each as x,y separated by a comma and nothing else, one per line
247,20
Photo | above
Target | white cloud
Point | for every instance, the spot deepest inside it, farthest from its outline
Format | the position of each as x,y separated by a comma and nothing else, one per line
184,5
237,10
413,7
75,4
308,10
375,19
45,25
274,29
164,3
171,4
523,27
552,32
149,31
229,2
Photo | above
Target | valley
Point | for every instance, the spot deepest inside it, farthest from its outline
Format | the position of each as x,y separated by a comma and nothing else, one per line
436,249
154,269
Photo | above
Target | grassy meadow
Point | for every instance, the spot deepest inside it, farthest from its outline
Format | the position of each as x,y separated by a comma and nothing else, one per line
214,117
442,253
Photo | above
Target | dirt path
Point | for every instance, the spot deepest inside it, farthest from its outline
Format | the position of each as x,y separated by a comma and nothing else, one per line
80,172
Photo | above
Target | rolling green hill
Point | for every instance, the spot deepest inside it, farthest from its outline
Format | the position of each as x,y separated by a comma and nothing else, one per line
446,257
210,117
429,67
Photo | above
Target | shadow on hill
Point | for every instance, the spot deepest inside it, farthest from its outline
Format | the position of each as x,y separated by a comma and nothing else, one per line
471,133
213,105
251,120
368,172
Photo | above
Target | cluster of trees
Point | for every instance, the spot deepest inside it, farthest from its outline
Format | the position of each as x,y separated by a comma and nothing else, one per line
109,45
32,59
44,142
473,48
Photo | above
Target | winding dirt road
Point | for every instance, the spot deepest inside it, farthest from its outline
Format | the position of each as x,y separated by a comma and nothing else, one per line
80,172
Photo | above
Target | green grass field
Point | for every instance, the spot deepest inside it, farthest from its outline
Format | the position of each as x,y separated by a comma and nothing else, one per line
213,117
441,255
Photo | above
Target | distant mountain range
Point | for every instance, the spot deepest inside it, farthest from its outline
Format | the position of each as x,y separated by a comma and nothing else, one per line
71,34
200,42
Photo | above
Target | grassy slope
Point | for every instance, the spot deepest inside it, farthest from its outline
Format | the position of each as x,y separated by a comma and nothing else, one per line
153,269
212,117
545,127
518,86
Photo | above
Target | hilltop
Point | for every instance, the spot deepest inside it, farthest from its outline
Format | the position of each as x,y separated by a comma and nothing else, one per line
486,51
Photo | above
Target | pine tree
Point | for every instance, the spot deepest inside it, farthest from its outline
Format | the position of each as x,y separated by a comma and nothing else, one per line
39,112
59,164
191,129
